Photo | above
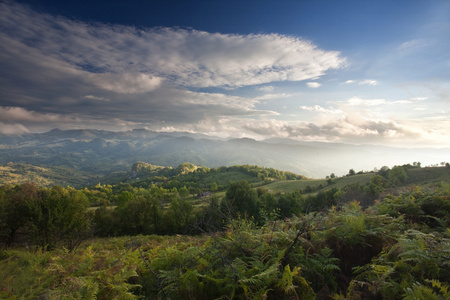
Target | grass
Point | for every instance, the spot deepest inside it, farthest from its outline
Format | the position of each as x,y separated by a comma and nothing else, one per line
428,175
290,186
223,178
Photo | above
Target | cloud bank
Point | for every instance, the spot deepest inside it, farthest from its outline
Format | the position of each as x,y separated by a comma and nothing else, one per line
184,56
65,71
60,72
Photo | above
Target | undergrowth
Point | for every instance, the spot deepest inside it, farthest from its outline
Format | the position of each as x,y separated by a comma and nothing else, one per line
398,248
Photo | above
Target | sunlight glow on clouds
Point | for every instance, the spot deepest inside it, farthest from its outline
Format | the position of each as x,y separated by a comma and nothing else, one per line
340,129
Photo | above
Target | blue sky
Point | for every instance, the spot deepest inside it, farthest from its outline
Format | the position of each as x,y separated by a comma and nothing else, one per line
360,72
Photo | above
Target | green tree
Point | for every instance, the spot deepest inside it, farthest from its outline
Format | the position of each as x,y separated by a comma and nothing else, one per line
183,192
384,172
142,215
241,198
397,175
376,186
15,211
179,216
57,216
124,197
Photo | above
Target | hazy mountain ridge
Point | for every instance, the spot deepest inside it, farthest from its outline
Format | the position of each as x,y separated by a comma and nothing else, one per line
102,152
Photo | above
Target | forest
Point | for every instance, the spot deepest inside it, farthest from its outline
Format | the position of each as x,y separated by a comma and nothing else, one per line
230,233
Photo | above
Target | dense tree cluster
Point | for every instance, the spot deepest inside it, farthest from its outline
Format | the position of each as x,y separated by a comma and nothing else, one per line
44,216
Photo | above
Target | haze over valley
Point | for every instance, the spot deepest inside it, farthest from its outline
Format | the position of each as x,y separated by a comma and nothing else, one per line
99,153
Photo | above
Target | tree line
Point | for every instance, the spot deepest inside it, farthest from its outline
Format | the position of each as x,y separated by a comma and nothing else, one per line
48,217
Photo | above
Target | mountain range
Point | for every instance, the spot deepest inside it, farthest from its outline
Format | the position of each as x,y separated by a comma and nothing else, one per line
101,152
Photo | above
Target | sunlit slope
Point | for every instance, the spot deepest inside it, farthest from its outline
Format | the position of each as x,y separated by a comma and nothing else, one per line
415,176
293,185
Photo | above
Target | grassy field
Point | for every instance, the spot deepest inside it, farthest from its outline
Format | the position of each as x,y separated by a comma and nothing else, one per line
289,186
428,175
223,178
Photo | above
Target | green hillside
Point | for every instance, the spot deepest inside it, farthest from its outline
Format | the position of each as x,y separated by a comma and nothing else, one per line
289,186
144,174
18,173
415,176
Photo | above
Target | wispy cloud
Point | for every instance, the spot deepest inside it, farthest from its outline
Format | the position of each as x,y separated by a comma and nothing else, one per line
265,88
272,96
318,108
354,101
186,57
92,97
362,82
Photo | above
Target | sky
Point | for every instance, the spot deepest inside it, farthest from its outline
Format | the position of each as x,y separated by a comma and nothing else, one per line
359,72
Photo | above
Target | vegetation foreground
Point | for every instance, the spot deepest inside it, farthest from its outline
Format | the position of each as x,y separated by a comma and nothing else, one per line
382,239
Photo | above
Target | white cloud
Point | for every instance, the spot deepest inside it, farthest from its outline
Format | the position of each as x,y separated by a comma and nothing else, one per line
126,83
354,101
19,114
412,45
362,82
218,99
368,82
272,96
343,129
321,109
313,85
12,129
186,57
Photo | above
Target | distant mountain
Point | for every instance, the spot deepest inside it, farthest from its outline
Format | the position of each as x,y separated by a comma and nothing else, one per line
100,152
